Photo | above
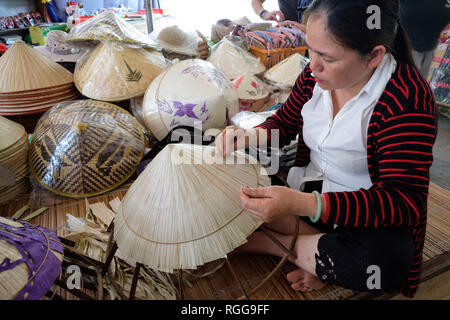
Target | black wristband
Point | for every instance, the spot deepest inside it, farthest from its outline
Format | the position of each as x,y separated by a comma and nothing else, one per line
262,13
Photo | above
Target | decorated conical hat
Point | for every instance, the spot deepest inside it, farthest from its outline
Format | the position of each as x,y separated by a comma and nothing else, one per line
85,148
24,69
174,39
10,133
184,209
286,71
190,91
108,26
234,61
112,72
250,87
30,260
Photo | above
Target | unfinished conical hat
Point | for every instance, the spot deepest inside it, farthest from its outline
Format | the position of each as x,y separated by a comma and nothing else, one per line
30,260
112,72
190,92
174,39
24,69
108,26
185,210
84,148
234,61
286,72
249,87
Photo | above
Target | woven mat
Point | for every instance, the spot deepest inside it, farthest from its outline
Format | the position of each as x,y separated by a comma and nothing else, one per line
249,268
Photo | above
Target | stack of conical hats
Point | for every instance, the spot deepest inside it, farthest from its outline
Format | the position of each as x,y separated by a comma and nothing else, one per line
32,83
13,160
113,72
184,209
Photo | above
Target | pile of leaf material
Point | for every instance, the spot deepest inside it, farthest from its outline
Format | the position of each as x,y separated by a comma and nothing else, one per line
91,238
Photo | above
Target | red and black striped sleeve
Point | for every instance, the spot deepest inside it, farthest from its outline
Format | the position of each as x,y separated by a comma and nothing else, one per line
399,156
288,119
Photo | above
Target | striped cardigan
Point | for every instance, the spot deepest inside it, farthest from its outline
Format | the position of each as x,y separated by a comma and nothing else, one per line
400,137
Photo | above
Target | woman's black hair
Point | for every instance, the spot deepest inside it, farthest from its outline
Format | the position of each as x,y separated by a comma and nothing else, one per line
348,22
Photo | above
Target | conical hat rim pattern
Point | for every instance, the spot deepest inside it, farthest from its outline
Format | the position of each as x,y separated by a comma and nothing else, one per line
104,190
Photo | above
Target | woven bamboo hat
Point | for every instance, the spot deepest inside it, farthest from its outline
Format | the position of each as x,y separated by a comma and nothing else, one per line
108,26
85,148
190,91
184,209
112,72
13,160
30,260
234,61
286,72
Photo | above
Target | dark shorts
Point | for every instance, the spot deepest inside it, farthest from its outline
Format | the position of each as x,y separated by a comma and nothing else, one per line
375,260
362,259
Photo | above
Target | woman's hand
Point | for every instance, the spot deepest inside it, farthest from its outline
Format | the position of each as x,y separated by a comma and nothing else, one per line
233,138
275,202
275,15
294,24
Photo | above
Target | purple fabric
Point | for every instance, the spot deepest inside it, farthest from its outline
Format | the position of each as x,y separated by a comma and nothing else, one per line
35,249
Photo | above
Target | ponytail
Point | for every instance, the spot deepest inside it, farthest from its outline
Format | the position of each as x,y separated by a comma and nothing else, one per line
401,48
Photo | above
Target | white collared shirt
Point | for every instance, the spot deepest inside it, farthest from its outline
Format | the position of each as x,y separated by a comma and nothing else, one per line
339,146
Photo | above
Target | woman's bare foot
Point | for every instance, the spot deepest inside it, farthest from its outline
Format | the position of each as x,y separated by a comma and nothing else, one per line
304,281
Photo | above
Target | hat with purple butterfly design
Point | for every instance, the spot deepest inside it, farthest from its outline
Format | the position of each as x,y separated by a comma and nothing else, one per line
190,93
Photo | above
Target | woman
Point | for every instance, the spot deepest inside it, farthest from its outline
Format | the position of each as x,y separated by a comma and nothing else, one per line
366,125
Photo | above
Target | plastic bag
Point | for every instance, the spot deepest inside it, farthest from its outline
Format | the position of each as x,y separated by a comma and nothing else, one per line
233,60
174,39
114,72
284,74
108,26
249,119
85,148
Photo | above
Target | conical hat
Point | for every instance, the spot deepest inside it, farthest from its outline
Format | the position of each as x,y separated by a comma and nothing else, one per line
25,69
85,148
108,26
286,71
113,73
10,133
184,209
234,61
190,91
242,21
250,87
174,39
39,254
